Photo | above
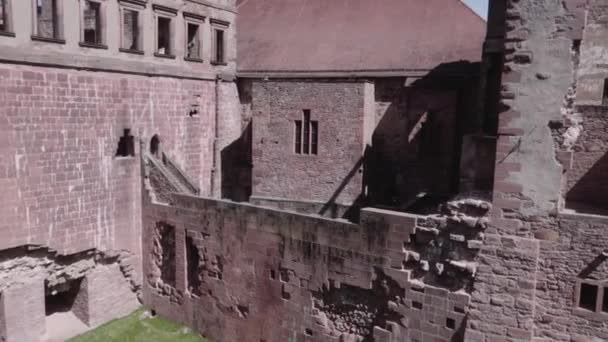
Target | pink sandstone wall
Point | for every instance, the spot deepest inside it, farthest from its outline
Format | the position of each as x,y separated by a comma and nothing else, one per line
62,185
239,272
336,173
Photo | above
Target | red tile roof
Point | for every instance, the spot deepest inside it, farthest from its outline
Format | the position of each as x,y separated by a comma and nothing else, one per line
356,35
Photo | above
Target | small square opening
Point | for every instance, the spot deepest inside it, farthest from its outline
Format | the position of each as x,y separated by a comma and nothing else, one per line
164,36
126,145
417,305
450,323
588,296
605,300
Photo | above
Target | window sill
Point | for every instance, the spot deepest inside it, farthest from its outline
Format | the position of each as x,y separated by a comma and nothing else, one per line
162,55
48,40
7,34
126,158
218,63
93,46
135,52
189,59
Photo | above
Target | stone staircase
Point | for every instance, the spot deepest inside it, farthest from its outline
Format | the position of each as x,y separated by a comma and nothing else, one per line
167,177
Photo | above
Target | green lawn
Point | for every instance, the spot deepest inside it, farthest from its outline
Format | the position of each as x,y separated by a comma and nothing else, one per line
139,327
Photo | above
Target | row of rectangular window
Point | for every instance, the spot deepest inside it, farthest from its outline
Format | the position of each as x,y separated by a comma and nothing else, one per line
48,18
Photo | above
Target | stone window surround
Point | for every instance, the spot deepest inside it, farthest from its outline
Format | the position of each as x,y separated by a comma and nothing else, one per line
7,12
311,134
103,26
168,13
193,19
58,24
137,6
218,25
602,285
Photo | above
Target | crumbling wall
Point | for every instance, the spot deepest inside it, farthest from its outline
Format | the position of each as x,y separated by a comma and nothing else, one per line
248,273
584,147
523,288
27,274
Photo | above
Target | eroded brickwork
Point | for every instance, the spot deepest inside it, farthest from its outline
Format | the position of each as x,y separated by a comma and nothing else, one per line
244,272
29,276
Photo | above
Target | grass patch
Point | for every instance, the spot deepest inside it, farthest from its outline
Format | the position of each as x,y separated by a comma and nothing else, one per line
139,327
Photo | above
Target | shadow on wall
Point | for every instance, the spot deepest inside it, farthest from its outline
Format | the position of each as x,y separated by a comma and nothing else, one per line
236,168
416,144
590,193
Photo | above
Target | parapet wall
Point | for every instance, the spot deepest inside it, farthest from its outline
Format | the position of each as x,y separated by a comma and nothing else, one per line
238,272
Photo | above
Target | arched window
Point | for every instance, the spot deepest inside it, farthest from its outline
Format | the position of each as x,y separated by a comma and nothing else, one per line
155,146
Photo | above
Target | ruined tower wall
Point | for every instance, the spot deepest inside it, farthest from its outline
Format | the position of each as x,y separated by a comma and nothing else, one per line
536,254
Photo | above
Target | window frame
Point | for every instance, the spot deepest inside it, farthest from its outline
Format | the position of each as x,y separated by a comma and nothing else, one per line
137,6
602,289
194,19
102,25
166,13
7,11
58,27
306,129
223,26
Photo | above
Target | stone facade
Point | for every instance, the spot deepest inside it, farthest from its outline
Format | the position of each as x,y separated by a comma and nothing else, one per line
78,118
262,274
462,202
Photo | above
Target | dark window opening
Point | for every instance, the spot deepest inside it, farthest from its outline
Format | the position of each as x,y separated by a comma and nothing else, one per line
126,145
588,296
219,46
306,131
3,16
306,135
192,267
605,301
273,276
605,94
308,332
418,289
167,244
92,22
130,30
450,323
155,146
164,36
417,305
284,294
47,19
64,298
298,142
314,128
458,309
193,48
